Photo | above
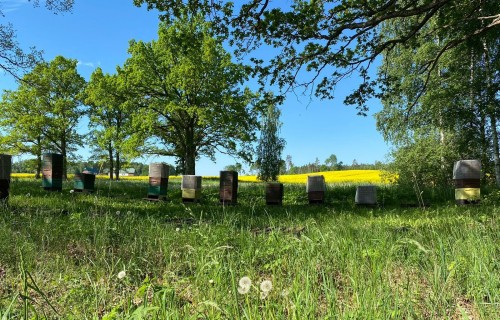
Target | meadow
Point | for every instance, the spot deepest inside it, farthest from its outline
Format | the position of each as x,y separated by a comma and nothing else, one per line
112,255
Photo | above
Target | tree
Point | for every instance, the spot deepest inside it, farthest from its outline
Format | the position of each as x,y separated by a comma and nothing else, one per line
459,101
13,58
331,162
190,96
270,146
234,167
332,40
23,125
110,116
49,97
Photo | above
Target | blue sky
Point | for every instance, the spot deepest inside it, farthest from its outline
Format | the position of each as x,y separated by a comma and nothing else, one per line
97,33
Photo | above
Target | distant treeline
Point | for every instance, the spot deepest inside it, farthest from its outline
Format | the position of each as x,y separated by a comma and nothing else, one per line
131,168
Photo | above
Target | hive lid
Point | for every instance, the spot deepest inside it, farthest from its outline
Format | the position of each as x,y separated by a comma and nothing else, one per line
467,169
315,183
158,170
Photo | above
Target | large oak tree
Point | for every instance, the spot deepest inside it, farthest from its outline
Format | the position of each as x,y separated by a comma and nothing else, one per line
190,94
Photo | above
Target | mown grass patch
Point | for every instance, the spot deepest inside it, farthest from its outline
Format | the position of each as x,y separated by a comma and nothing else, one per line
185,261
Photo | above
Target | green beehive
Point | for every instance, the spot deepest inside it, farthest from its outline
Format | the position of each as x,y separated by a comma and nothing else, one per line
52,171
84,182
158,181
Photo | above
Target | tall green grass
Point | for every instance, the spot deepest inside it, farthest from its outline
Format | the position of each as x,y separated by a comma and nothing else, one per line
61,253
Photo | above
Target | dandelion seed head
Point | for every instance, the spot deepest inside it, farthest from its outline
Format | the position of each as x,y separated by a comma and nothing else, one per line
177,229
243,290
266,286
263,294
245,282
118,213
122,274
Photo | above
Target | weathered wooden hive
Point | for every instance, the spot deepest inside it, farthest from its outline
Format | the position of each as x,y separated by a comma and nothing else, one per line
5,170
467,178
315,188
52,171
228,188
191,188
158,181
366,196
274,193
84,182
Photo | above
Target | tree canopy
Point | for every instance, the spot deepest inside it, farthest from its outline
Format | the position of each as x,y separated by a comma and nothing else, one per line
190,94
332,40
13,58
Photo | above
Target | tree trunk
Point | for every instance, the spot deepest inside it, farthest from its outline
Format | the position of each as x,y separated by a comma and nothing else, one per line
118,166
496,148
65,159
111,164
190,163
38,159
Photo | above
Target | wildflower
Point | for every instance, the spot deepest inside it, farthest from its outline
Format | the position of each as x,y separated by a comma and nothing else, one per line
263,295
71,191
244,285
177,229
121,274
117,213
266,286
211,281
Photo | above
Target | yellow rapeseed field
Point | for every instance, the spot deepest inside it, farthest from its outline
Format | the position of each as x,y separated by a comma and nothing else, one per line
344,176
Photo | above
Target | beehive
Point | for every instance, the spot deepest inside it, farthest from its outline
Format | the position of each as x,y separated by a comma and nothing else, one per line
84,182
5,170
467,180
315,188
274,193
228,188
191,188
52,171
366,195
158,181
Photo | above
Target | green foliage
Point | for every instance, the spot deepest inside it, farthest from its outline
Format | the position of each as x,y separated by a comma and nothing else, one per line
320,43
43,113
13,58
270,146
189,94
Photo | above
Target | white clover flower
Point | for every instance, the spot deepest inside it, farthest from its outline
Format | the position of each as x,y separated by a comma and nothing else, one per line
266,286
244,285
122,274
177,229
211,281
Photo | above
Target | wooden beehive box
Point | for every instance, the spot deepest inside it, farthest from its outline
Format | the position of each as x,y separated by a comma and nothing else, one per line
5,171
366,196
191,188
315,188
274,193
467,180
84,182
228,188
52,171
158,181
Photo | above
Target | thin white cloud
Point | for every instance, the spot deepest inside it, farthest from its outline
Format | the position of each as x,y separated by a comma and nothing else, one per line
7,6
85,64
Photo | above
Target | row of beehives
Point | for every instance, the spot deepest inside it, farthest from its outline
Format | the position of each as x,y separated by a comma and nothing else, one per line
466,175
